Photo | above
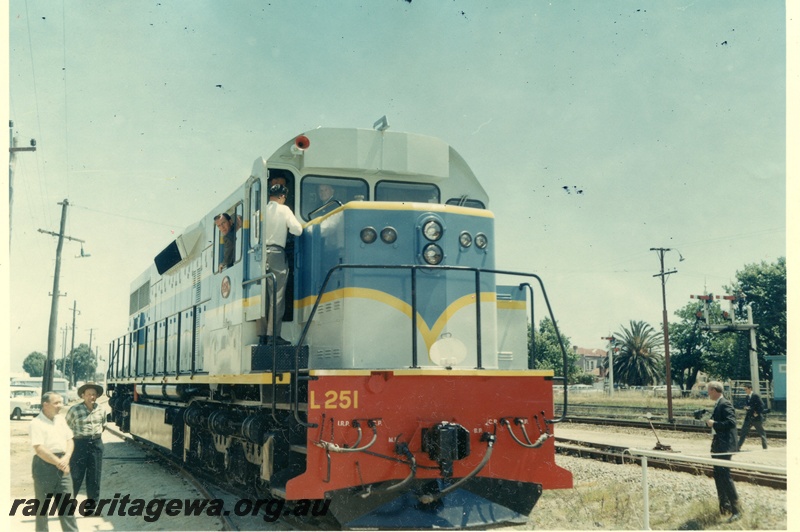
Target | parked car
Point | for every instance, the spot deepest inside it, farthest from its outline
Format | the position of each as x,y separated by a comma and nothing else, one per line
60,385
661,391
25,401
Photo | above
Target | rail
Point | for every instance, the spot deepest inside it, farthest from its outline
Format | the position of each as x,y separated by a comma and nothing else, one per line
413,268
645,454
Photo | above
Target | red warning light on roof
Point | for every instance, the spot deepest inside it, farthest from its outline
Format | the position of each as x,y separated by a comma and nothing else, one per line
302,142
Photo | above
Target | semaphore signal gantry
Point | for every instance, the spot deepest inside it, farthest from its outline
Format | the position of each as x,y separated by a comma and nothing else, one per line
730,324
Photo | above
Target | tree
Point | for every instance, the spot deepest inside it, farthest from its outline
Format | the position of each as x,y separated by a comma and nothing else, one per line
639,361
764,287
548,351
690,344
34,364
84,364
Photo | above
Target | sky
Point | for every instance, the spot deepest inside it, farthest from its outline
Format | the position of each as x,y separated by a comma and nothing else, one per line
599,130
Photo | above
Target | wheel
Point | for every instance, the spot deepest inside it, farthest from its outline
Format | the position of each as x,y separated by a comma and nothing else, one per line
16,414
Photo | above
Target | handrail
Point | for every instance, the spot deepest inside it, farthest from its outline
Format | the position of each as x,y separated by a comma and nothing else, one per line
270,277
327,204
716,462
560,343
414,357
532,358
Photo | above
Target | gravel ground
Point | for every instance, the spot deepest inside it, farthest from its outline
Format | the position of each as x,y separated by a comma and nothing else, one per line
604,497
607,496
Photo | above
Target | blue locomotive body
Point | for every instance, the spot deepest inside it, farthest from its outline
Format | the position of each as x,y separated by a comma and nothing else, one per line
394,273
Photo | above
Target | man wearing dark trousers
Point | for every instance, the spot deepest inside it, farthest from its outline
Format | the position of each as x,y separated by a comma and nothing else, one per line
754,416
87,421
723,441
52,442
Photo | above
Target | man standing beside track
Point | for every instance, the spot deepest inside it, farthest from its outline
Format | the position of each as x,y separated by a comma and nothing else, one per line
754,417
87,421
52,442
723,441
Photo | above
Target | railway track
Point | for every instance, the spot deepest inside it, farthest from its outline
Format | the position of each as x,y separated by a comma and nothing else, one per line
210,489
619,455
228,523
685,426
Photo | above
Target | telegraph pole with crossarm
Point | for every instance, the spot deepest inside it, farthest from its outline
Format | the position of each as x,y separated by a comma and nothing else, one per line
49,365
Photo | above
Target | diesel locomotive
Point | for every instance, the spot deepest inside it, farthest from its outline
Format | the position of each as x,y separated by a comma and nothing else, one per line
400,393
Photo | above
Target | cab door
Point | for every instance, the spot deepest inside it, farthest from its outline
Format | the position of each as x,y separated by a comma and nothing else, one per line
253,284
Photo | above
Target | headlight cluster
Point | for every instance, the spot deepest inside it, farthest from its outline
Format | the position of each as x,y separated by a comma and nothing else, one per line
432,230
466,240
432,253
370,235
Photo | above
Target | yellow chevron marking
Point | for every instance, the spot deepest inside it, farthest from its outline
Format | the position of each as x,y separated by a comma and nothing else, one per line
429,335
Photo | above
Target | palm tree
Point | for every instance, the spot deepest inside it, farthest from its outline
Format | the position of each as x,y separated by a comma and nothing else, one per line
639,361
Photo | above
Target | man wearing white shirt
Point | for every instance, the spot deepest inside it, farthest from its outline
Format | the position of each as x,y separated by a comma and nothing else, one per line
52,442
278,219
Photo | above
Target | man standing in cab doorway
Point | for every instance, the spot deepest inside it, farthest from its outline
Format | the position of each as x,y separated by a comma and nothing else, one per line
754,416
278,220
87,421
723,442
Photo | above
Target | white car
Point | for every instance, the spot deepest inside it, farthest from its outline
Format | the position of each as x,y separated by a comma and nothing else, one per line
25,401
661,391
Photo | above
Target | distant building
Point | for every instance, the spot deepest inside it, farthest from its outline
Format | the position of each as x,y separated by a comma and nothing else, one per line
778,381
590,361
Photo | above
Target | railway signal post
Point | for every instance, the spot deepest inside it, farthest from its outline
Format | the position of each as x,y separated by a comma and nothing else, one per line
732,326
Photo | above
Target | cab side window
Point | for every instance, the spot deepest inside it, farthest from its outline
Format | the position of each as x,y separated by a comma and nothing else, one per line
228,238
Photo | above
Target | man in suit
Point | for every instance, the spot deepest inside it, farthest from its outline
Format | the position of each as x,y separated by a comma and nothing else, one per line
754,417
723,441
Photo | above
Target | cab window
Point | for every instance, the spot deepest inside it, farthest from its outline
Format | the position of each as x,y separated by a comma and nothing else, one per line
400,191
320,195
466,202
228,238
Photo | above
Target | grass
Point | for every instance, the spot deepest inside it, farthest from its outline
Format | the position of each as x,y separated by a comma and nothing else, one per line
598,505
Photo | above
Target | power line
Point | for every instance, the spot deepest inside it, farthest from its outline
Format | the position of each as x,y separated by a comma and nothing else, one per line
143,220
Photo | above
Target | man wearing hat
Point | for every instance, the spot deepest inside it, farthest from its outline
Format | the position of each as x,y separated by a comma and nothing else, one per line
87,421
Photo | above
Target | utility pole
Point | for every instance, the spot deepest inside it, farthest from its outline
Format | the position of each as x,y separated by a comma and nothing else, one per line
612,346
74,309
47,378
661,252
13,149
64,348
